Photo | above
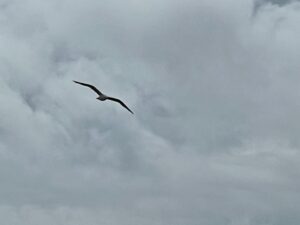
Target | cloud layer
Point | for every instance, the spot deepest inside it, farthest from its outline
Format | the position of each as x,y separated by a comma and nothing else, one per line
215,91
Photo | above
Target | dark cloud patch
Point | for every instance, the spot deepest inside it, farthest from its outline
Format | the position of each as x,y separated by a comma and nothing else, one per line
259,3
279,2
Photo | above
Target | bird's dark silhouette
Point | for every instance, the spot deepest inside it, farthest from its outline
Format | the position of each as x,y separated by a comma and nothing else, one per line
103,97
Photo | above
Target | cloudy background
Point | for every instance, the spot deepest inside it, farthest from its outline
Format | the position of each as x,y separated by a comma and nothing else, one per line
215,87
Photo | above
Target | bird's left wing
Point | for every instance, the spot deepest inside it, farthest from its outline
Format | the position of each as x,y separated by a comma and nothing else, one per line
90,86
119,101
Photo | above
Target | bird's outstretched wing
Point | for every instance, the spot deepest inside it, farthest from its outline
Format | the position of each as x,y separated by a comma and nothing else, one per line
119,101
90,86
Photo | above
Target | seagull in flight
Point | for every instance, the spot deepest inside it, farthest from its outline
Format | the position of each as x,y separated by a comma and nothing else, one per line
103,97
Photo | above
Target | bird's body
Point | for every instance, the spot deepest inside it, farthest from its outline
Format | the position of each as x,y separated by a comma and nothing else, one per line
103,97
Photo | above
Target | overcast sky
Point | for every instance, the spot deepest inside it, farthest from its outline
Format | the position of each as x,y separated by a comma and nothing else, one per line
215,87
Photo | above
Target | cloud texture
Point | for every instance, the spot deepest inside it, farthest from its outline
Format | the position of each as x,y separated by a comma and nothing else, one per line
215,91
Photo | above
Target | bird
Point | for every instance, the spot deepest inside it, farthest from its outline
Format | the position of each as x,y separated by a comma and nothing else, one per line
103,97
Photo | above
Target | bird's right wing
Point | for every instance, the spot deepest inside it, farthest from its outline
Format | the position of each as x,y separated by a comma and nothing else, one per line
90,86
119,101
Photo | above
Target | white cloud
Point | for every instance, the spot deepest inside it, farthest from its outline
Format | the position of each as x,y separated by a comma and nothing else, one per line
214,88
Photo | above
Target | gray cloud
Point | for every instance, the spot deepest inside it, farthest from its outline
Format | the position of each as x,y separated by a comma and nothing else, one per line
214,88
262,3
